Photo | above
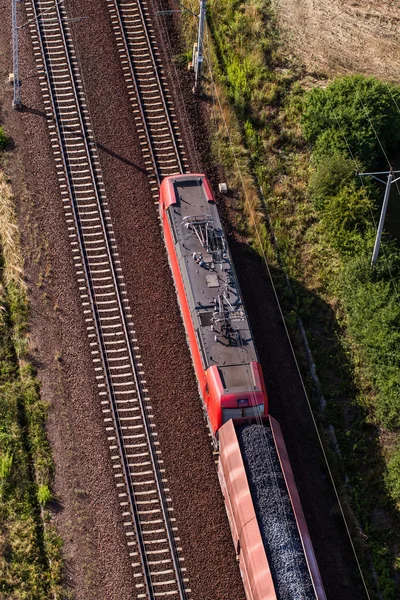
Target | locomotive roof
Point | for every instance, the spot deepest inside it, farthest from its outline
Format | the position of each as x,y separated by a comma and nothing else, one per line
211,284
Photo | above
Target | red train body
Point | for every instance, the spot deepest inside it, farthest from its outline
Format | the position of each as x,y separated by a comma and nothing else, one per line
230,379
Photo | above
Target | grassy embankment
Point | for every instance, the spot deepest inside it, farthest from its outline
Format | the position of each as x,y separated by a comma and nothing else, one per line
301,138
30,563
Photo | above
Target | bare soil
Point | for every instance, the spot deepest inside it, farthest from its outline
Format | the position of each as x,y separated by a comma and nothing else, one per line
344,36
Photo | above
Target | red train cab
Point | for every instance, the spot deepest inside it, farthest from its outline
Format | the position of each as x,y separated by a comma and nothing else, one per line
230,378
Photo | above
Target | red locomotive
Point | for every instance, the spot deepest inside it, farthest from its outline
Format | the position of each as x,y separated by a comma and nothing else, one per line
220,340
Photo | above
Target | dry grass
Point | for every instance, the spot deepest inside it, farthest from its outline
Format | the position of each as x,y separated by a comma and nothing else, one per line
9,236
229,150
344,36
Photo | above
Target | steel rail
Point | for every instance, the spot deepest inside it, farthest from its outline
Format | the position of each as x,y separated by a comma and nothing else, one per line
111,395
97,323
161,93
128,54
139,2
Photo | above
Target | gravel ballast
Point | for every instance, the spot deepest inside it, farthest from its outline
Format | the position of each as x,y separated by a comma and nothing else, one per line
274,514
87,513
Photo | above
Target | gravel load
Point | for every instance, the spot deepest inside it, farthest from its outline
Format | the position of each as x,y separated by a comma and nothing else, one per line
274,514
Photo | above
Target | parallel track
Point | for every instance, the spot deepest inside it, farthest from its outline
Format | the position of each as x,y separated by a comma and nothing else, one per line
147,87
143,494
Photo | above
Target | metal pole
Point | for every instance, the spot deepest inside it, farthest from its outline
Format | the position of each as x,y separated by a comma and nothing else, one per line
200,46
382,220
16,103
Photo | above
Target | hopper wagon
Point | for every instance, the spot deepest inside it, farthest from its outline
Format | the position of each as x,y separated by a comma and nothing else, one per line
269,531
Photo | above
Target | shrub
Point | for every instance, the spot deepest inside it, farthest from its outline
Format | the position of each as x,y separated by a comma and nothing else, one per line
330,174
3,139
373,318
239,74
347,217
347,107
393,475
6,461
44,495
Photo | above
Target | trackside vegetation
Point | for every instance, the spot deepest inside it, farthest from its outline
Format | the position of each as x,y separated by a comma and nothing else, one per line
352,123
30,564
300,139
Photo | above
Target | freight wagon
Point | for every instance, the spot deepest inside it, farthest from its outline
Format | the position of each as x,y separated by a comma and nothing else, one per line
269,531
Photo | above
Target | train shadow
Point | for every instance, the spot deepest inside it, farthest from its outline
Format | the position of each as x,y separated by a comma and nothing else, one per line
349,440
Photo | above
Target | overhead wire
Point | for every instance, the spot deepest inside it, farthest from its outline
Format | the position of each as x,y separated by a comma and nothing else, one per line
259,238
258,419
398,110
363,184
376,135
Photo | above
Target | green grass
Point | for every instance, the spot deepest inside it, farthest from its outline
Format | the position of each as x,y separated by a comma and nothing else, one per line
3,139
30,551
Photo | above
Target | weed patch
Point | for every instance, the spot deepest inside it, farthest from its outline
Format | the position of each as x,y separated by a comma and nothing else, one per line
30,552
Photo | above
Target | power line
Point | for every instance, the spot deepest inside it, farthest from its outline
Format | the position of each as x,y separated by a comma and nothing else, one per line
259,238
390,181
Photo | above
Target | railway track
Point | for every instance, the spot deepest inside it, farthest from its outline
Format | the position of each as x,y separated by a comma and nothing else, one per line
155,117
136,458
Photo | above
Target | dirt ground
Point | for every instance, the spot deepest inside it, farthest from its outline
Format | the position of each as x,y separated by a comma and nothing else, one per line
344,36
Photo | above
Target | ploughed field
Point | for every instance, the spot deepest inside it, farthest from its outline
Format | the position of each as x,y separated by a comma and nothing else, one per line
343,36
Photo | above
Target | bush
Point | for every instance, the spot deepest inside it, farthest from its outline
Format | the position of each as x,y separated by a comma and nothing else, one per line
347,218
3,139
44,495
239,74
330,174
6,461
373,318
393,475
343,113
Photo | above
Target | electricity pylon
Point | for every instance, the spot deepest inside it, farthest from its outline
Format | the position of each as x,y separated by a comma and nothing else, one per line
16,103
388,183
